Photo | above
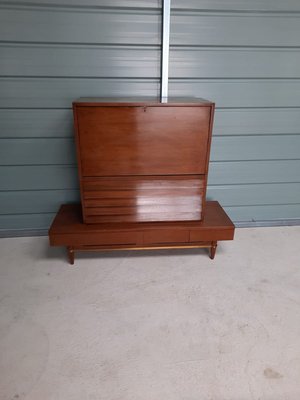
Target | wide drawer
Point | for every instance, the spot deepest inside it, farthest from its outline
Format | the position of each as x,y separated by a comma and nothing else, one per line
165,236
216,233
129,238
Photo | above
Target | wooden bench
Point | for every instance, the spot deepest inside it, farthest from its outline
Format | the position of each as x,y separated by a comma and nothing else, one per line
69,230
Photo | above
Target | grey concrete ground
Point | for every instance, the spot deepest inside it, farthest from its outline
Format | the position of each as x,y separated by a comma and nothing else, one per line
152,325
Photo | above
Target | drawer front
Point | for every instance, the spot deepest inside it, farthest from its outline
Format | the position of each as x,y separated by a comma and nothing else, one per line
142,199
153,237
198,236
105,238
211,234
143,140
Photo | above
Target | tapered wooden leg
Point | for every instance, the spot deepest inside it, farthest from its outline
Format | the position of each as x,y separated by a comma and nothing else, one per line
71,255
212,250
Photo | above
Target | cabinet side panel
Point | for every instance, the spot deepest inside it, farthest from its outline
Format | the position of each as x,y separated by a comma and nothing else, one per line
209,139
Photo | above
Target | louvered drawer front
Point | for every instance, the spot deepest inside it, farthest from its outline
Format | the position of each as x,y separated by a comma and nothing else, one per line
168,236
142,199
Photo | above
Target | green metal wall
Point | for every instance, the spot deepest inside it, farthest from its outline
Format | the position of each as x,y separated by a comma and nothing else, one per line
244,55
50,54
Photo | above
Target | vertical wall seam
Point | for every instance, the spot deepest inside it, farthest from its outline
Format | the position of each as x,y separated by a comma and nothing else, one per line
165,48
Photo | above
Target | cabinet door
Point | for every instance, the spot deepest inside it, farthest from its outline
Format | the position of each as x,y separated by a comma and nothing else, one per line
138,140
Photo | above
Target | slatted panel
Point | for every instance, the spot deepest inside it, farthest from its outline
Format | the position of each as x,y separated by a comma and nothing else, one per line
245,56
37,151
41,201
18,123
227,93
265,213
33,23
66,60
255,148
239,93
52,53
255,121
24,222
156,198
96,3
234,5
263,194
38,177
234,62
60,92
234,29
240,172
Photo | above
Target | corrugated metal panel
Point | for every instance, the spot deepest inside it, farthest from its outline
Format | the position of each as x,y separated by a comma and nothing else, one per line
37,151
241,172
42,201
38,177
60,92
41,151
33,23
52,53
227,93
245,56
234,62
245,148
236,93
238,5
140,4
22,123
256,121
68,61
234,29
265,194
264,213
25,222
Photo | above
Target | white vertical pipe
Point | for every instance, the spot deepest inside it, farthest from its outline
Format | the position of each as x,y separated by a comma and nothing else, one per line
165,49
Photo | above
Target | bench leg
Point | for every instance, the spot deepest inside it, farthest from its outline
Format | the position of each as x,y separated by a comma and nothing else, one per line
71,255
212,250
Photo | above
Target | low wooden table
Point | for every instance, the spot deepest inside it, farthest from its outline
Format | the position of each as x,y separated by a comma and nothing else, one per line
68,230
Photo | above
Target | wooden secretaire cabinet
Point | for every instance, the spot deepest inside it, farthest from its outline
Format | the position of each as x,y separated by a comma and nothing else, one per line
143,170
142,161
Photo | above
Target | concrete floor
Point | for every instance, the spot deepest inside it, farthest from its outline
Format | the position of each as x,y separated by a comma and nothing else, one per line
152,325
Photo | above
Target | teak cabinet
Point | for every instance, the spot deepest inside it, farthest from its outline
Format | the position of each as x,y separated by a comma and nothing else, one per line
142,161
143,169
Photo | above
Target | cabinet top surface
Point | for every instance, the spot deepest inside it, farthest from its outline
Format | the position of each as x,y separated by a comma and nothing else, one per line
140,101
